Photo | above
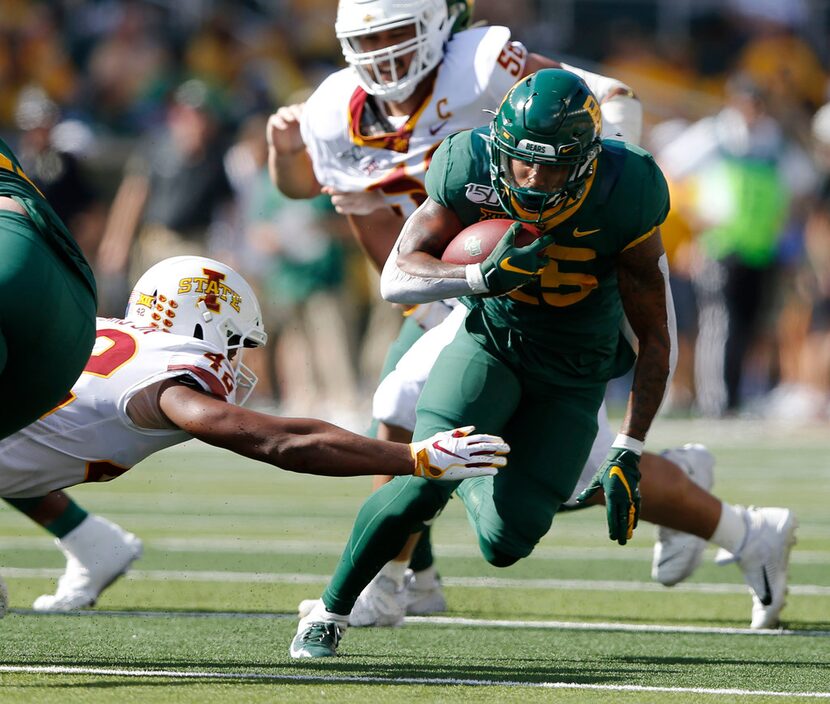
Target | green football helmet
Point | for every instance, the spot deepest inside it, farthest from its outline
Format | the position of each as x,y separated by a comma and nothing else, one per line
548,119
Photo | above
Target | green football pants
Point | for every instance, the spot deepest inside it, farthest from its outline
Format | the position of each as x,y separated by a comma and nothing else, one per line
550,430
47,324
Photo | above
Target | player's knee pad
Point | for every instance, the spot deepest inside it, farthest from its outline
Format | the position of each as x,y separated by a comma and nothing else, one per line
395,399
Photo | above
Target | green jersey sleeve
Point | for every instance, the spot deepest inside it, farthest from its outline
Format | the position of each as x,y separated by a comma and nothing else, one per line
436,177
647,196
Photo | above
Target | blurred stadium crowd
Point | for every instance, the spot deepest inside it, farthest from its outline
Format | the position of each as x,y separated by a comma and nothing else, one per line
143,121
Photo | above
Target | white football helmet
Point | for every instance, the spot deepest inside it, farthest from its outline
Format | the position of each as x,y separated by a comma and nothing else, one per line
202,298
358,18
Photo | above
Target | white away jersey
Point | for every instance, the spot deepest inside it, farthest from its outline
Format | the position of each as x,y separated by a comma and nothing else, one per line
89,436
353,149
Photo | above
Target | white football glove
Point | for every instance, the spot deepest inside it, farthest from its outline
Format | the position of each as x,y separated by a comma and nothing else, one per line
453,455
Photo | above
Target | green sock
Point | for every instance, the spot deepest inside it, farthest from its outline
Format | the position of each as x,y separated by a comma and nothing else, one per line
70,519
422,555
383,524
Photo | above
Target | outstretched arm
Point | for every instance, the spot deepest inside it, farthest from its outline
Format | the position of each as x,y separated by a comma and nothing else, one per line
313,446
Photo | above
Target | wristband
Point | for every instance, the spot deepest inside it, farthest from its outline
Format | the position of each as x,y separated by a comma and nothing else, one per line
626,442
475,278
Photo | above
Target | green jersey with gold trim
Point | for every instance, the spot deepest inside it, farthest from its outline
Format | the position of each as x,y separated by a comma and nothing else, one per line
565,325
14,183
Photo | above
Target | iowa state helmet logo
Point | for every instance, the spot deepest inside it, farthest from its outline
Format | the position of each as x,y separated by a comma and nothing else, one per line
214,289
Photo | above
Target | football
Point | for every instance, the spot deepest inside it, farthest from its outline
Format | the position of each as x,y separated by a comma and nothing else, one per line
474,243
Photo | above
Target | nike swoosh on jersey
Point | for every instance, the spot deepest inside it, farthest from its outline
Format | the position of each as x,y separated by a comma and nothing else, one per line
435,130
582,233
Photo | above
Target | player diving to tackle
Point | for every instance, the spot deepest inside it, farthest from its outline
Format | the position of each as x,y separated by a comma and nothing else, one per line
366,137
172,370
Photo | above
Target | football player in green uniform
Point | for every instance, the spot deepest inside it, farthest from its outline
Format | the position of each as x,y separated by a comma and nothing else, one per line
542,337
47,313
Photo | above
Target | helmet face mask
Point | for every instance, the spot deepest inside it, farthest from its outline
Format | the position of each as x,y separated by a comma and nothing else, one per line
202,298
424,26
544,141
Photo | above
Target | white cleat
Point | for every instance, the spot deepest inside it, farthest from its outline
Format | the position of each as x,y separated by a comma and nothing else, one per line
97,553
381,603
305,606
424,593
764,559
677,555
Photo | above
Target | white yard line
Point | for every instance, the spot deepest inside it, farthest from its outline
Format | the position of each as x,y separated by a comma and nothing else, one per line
471,582
357,679
303,547
459,621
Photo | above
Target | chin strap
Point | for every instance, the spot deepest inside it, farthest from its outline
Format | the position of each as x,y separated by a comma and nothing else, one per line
207,316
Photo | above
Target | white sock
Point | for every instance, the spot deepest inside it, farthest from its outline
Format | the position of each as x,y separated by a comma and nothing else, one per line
730,533
428,576
81,536
320,613
395,571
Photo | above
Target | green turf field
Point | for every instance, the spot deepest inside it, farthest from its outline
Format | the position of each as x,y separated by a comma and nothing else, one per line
231,547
